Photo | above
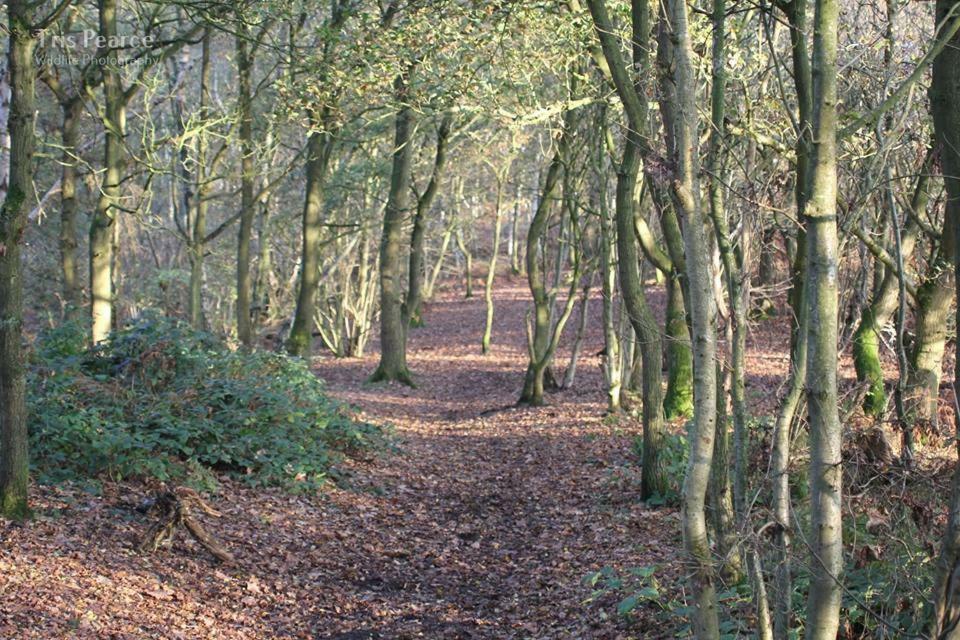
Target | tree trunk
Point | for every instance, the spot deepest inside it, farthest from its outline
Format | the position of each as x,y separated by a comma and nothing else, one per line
826,540
934,298
197,226
247,177
945,107
72,292
108,204
570,374
680,124
536,278
393,325
492,270
679,399
16,186
418,236
866,339
319,146
468,263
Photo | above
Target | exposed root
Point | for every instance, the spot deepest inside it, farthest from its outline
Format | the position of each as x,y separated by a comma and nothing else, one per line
176,508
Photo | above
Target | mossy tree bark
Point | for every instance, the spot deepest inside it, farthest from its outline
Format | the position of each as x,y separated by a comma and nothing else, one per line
16,186
866,339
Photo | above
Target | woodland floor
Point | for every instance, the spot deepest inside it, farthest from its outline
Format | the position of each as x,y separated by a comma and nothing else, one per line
483,524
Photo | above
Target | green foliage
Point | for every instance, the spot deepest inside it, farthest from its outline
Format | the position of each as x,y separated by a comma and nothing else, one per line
161,400
635,587
673,456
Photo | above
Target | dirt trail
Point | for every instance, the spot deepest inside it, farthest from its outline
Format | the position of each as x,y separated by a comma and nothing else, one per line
482,525
504,509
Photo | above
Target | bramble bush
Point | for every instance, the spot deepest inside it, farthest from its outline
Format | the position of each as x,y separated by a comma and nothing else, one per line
161,400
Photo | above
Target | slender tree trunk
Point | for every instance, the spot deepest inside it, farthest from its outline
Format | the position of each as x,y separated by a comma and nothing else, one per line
613,364
468,263
721,494
945,107
198,223
797,19
15,185
826,539
393,325
247,177
570,374
418,236
438,265
866,339
108,205
515,236
72,292
492,269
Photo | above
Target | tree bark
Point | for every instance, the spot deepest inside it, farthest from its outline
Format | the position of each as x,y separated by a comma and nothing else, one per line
492,269
393,325
247,177
866,339
945,107
70,136
14,468
680,124
416,273
319,146
108,204
826,539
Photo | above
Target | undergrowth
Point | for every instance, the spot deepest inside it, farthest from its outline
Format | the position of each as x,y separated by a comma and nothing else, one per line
160,400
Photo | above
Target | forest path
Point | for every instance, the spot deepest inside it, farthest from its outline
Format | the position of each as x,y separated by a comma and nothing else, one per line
491,515
483,524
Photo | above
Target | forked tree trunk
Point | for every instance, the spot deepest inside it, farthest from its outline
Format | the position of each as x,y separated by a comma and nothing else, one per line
536,278
416,273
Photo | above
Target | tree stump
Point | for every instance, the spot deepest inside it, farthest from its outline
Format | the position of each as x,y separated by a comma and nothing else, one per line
176,508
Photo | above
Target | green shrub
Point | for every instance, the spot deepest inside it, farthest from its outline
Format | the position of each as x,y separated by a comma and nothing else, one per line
162,400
